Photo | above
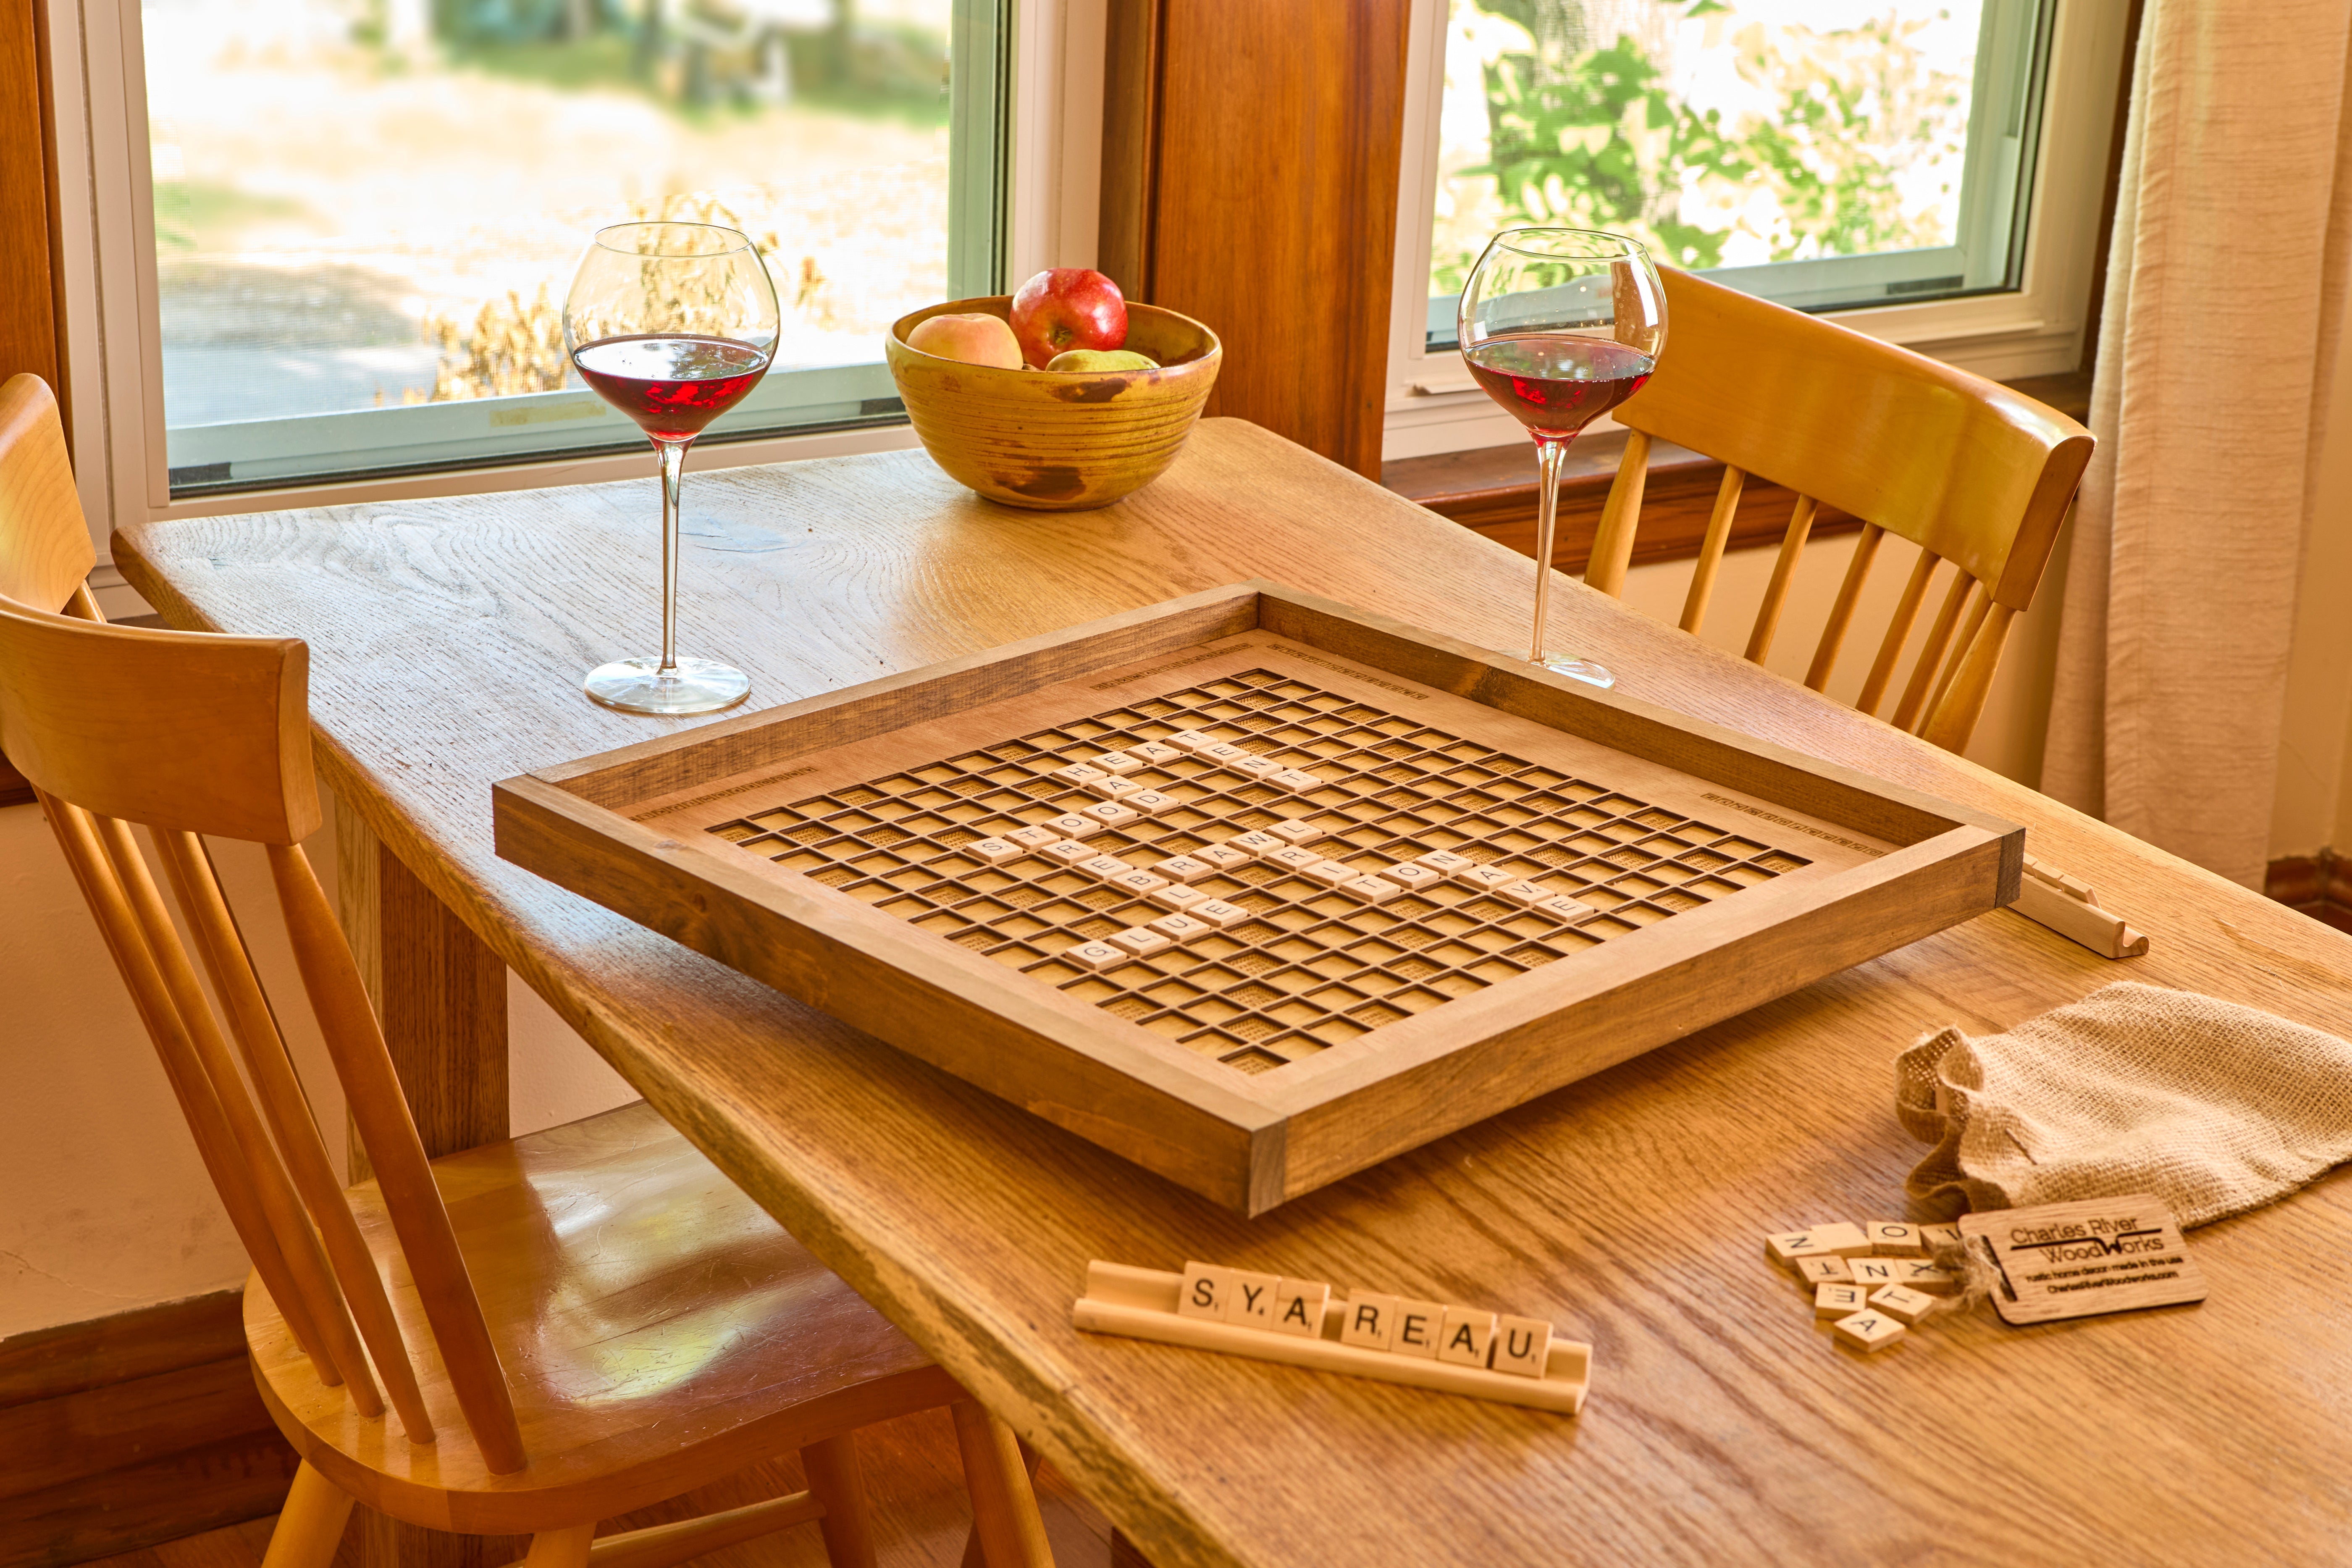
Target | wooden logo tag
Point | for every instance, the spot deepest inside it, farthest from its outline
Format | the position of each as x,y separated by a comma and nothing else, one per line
2080,1259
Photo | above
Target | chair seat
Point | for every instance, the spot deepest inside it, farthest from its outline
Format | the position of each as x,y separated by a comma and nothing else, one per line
658,1330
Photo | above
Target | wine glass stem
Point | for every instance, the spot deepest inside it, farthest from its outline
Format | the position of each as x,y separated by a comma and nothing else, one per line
1550,452
673,465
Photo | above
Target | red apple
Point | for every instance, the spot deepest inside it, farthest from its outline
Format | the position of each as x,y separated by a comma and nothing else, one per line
1068,308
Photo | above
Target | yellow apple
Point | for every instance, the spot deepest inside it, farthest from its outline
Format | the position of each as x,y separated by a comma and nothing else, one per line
973,337
1082,361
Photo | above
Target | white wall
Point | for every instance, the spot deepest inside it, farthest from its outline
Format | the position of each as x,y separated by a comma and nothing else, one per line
104,1205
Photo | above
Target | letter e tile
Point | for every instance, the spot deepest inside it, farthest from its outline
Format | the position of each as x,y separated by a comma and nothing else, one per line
1419,1326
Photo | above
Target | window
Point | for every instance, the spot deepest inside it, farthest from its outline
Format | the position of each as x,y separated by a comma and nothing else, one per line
365,213
1927,171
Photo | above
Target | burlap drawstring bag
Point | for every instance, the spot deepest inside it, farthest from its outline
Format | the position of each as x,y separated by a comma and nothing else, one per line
2214,1108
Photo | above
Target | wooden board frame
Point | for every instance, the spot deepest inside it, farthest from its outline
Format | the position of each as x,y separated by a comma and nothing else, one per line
1251,1144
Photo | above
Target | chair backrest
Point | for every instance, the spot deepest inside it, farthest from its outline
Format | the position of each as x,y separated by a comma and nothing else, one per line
1973,473
187,735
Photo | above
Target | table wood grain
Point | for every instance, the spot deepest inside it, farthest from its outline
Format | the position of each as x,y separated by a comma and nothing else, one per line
447,638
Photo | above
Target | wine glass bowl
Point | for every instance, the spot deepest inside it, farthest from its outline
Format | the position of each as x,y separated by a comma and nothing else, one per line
1560,326
673,324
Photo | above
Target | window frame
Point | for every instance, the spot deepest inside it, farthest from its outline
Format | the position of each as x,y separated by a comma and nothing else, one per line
1432,405
113,361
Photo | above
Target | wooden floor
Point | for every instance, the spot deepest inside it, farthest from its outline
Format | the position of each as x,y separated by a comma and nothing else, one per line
914,1483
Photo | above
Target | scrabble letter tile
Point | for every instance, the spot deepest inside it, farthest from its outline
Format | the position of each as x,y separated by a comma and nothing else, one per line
1529,894
1150,802
1252,1301
1137,881
1110,786
1294,779
1330,873
1292,857
1222,857
1371,889
1522,1346
1410,874
1255,844
1032,838
1140,940
1077,774
1070,824
1094,954
1869,1330
1116,761
1873,1272
995,851
1924,1276
1846,1239
1465,1336
1207,1293
1177,896
1190,741
1255,765
1158,753
1420,1329
1446,862
1218,912
1298,1308
1299,832
1827,1269
1843,1240
1933,1237
1838,1301
1104,865
1224,751
1370,1322
1904,1304
1183,869
1068,851
1181,927
1893,1238
1487,878
1563,907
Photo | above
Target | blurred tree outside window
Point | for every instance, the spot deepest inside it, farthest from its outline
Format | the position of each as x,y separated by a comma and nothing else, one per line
1734,133
363,205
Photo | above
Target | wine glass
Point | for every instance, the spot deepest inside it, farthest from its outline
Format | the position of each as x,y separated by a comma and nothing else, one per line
672,323
1561,325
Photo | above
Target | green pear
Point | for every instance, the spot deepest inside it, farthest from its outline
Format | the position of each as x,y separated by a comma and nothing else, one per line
1087,361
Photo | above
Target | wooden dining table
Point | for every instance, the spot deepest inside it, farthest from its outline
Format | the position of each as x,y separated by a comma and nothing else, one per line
447,638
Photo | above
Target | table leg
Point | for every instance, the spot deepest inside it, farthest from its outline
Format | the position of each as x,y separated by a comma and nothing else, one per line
438,988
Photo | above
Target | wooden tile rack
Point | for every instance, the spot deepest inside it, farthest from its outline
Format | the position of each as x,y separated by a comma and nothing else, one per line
1461,881
1141,1303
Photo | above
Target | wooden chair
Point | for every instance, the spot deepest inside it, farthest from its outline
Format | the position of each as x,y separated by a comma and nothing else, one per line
1971,472
565,1326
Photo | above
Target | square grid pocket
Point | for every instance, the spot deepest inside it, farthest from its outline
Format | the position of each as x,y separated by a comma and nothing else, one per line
1308,966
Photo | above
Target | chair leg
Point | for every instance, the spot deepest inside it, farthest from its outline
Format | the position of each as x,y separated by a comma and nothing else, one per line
560,1548
834,1480
1003,1503
975,1555
310,1526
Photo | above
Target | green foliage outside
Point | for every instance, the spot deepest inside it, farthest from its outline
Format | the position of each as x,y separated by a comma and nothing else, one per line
1598,141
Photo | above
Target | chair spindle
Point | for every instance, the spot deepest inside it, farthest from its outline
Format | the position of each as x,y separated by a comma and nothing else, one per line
1980,602
1931,652
1613,541
1955,713
1784,569
379,1112
1898,632
1825,652
1711,548
188,867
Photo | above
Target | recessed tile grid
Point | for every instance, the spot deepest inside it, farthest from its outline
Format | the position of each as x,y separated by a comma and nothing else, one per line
1313,965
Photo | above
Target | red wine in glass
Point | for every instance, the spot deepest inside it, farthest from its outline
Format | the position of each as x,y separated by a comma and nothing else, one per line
1556,384
672,384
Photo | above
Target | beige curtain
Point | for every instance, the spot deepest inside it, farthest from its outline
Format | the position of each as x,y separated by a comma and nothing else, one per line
2225,286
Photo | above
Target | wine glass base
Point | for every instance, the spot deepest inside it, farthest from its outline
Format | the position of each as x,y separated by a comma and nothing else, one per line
690,686
1583,669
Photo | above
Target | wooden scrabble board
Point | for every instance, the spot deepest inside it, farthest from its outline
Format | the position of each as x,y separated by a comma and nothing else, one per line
1253,889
